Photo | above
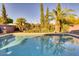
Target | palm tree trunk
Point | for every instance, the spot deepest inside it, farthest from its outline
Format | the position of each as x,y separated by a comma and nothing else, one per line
60,28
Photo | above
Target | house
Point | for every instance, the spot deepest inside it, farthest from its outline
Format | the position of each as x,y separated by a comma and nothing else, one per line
7,28
74,29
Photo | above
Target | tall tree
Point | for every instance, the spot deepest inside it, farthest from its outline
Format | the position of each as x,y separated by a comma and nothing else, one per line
4,15
47,18
42,14
9,20
60,14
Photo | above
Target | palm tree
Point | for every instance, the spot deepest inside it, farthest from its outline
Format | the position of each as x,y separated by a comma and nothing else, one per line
60,15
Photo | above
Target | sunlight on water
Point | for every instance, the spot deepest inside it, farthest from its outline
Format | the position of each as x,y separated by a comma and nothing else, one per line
17,41
9,52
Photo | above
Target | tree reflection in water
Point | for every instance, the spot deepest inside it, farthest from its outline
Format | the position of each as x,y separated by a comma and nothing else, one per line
55,45
44,44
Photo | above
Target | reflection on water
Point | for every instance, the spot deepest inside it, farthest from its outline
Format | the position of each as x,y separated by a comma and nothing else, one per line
10,41
46,45
4,41
17,40
55,45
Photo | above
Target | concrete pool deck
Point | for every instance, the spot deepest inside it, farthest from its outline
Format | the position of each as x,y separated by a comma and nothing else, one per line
39,34
29,34
24,34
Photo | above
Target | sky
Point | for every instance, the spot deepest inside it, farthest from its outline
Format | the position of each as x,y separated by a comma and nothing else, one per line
31,11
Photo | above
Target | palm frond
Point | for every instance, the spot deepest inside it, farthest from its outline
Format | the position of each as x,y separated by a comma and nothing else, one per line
68,10
55,12
72,15
52,15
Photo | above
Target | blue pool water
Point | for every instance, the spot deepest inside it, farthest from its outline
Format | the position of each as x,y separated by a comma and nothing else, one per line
39,46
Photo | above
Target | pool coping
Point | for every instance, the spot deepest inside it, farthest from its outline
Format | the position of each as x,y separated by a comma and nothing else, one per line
2,35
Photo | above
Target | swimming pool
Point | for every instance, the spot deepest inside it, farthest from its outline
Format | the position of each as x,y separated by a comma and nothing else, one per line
39,46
